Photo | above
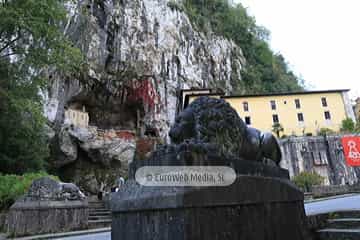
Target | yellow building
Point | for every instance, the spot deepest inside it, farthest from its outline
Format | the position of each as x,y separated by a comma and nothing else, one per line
77,118
299,113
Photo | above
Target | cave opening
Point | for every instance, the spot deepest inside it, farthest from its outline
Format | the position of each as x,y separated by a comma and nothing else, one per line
128,108
111,113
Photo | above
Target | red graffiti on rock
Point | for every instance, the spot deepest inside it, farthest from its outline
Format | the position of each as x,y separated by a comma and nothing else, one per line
351,146
145,92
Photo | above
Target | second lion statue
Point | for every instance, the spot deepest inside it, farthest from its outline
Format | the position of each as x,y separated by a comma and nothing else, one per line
214,121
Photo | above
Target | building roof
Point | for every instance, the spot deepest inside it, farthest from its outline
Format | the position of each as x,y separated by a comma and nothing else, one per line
288,93
212,90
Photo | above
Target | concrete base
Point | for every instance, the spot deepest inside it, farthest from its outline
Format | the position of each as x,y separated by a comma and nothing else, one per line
253,208
38,217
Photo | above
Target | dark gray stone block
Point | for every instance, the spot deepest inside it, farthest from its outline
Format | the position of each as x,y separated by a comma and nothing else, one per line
254,207
37,217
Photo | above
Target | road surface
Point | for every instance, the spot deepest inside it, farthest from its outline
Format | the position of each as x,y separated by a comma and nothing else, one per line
346,203
95,236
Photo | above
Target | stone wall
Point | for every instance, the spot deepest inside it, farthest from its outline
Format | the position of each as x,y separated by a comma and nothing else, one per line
323,155
37,217
3,221
321,191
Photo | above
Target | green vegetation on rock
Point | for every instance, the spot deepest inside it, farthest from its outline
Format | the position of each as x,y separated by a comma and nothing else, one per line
265,71
305,180
14,186
31,43
348,126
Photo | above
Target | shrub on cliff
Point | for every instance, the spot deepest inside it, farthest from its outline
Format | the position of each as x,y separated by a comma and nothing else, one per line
14,186
325,131
305,180
265,71
347,126
31,41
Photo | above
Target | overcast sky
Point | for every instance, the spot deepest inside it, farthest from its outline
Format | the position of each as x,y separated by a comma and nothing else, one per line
320,39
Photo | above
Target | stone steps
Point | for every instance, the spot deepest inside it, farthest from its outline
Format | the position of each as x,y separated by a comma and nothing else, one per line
341,226
338,234
99,223
346,214
99,215
344,223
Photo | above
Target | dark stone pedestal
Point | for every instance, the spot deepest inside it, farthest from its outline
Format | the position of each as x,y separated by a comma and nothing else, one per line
36,217
253,208
262,204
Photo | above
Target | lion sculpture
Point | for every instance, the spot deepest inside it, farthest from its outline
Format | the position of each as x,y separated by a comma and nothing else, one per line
214,121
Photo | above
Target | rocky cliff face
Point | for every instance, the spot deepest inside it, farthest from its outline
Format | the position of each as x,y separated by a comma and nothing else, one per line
140,53
128,42
323,155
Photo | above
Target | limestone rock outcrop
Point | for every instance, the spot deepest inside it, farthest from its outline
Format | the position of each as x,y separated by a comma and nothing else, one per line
132,41
139,54
99,148
92,158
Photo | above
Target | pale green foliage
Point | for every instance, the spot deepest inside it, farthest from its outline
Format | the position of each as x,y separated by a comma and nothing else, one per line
305,180
348,126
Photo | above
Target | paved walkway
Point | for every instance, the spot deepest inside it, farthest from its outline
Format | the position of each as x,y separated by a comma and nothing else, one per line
345,203
100,232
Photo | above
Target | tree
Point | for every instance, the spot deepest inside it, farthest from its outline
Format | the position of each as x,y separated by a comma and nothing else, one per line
31,41
277,128
264,71
347,125
305,180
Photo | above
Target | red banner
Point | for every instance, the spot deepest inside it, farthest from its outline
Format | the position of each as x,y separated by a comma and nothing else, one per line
351,146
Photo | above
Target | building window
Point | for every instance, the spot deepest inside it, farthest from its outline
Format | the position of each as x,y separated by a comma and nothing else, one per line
324,102
297,103
248,120
246,106
273,105
300,117
275,118
327,115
